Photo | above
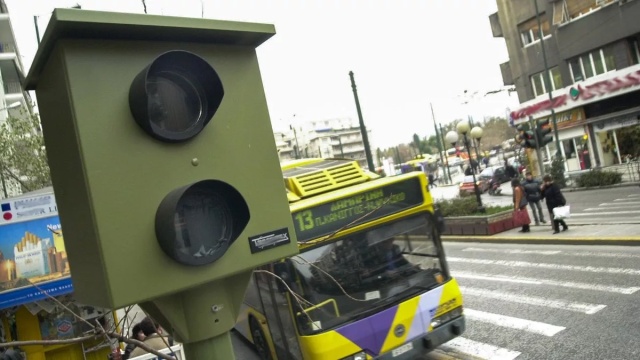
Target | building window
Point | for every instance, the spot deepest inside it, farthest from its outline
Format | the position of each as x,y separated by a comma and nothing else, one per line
569,147
591,64
634,51
578,8
529,32
540,82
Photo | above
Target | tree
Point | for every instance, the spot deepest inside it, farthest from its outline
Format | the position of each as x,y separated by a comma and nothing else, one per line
23,158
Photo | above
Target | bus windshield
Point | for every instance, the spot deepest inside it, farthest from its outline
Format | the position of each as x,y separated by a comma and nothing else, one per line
364,272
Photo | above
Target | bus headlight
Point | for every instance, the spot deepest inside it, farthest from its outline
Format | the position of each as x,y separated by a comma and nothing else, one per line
449,315
358,356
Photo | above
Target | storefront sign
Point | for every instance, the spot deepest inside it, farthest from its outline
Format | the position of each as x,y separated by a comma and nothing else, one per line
568,119
596,89
33,259
617,123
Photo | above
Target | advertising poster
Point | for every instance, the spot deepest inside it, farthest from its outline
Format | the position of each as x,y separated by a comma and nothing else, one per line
33,259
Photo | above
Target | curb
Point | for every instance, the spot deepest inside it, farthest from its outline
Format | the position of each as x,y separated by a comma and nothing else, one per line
613,240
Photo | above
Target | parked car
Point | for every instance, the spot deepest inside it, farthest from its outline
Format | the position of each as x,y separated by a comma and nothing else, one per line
467,188
494,171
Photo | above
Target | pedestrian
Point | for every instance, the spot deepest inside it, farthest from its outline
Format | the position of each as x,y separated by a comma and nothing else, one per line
153,337
432,180
521,215
534,195
554,198
137,334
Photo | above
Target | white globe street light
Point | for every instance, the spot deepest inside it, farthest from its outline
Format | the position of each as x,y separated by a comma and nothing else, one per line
451,137
463,127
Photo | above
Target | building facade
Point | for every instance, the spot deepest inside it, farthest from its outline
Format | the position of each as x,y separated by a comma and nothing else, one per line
329,138
591,67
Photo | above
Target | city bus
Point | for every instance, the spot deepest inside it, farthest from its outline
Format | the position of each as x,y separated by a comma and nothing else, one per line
371,279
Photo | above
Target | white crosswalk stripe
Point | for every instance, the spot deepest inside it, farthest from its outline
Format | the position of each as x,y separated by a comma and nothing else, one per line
596,269
481,350
576,306
555,252
513,322
535,281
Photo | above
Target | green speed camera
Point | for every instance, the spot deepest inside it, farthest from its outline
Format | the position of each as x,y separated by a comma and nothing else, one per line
163,161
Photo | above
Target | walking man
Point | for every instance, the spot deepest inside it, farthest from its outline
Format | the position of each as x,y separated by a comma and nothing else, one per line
534,196
551,192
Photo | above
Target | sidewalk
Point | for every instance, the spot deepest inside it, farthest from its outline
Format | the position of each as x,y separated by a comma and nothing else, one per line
601,234
507,190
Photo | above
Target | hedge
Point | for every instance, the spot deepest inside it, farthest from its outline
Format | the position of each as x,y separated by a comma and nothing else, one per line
598,178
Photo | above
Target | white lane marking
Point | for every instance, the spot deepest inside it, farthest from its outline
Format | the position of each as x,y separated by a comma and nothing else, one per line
609,208
555,252
609,213
596,269
533,281
482,350
515,251
633,195
623,199
513,322
628,203
586,308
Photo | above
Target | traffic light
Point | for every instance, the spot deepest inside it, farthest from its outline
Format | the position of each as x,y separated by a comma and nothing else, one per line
163,162
543,129
529,139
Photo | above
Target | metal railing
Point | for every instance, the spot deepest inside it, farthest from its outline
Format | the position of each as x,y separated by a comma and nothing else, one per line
630,172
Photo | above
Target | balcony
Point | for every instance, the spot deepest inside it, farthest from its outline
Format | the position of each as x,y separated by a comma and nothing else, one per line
12,87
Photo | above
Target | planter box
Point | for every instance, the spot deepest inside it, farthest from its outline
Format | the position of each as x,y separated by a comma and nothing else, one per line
479,225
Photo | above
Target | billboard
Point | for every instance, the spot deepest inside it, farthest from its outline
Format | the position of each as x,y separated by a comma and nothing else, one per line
33,259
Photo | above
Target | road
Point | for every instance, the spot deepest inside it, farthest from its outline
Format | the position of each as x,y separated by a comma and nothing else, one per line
546,302
552,302
619,205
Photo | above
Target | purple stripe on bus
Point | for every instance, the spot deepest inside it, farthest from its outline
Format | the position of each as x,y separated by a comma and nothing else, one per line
370,333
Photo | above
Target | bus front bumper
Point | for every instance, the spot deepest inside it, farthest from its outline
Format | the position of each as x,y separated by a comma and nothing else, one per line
427,343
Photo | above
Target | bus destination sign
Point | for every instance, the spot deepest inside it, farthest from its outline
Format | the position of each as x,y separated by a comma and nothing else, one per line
327,218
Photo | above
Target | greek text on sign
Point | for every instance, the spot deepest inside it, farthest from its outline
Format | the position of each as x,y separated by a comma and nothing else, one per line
326,218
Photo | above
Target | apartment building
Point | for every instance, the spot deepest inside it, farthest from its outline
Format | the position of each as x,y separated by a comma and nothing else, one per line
327,138
592,61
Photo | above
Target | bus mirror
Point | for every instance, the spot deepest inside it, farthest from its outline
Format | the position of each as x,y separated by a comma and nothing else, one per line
281,269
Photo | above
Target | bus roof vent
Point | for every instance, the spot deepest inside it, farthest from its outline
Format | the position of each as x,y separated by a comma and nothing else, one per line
323,176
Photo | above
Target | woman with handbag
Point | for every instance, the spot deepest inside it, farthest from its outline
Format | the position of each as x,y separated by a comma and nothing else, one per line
520,215
554,198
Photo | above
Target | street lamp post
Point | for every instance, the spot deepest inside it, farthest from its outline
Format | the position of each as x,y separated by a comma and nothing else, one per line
463,128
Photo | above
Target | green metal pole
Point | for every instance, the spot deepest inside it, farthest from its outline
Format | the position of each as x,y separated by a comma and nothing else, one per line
446,160
363,129
546,69
398,156
219,347
435,126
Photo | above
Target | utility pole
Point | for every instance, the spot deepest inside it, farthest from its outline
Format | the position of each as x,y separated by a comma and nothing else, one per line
446,159
363,129
438,141
550,80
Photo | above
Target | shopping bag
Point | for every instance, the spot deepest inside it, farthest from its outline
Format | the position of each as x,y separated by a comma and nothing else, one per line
521,217
561,212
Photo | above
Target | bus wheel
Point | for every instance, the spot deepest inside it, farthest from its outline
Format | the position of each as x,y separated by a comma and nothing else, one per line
259,340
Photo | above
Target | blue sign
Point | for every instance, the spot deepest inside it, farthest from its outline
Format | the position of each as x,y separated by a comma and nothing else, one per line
33,260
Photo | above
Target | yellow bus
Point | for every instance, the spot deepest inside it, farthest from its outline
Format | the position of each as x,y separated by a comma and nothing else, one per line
371,280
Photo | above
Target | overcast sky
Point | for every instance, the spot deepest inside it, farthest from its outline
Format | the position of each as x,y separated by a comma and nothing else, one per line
405,54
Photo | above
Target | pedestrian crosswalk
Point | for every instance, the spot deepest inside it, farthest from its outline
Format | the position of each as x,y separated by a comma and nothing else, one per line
517,297
624,208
